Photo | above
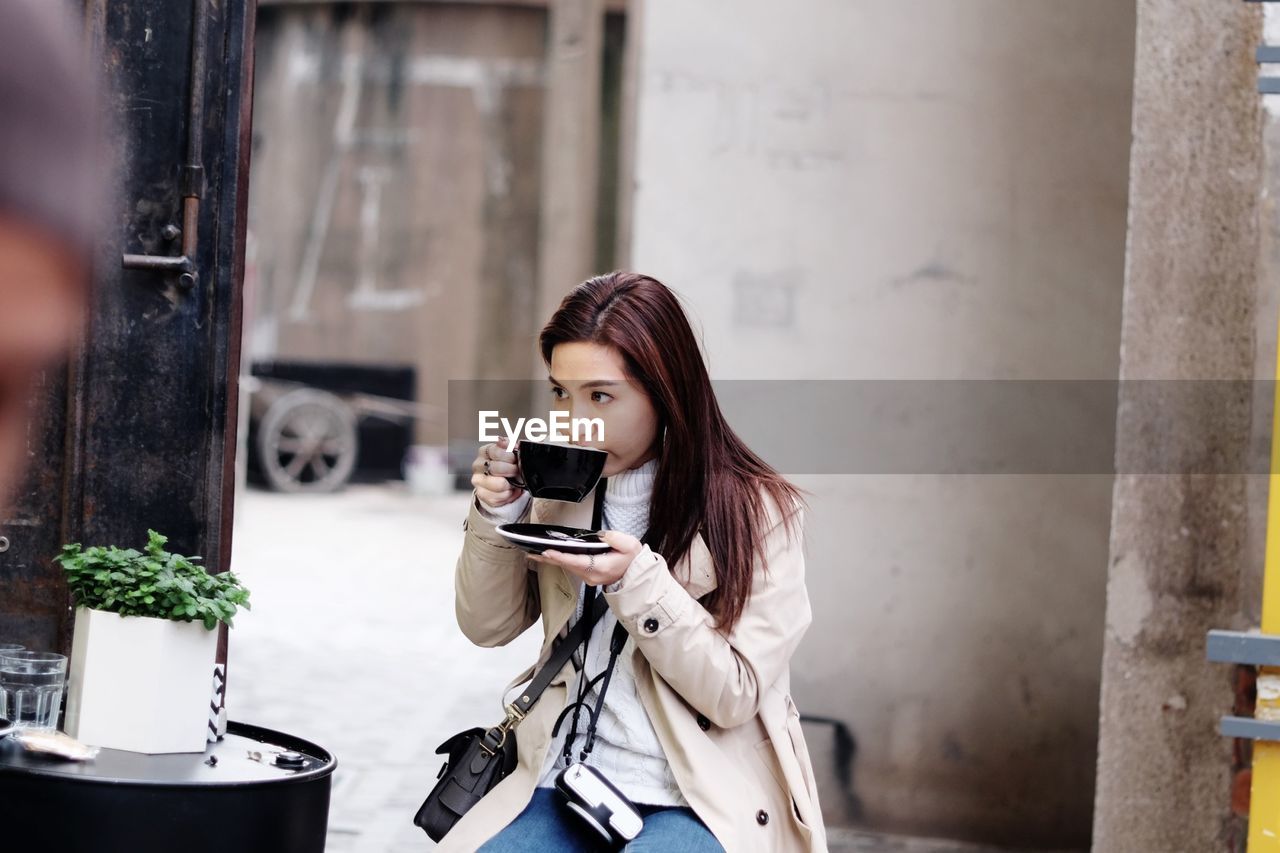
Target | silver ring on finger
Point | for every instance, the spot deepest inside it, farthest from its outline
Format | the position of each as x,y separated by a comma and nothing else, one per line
591,563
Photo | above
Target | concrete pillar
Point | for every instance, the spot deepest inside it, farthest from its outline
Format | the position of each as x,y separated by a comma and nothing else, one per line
570,156
934,190
1180,543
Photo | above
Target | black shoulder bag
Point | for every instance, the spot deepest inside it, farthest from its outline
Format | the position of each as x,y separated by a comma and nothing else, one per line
478,759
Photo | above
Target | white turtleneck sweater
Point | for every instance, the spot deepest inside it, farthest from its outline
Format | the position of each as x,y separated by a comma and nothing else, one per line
627,750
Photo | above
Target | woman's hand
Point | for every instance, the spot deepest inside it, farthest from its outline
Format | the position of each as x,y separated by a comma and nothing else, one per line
605,568
489,473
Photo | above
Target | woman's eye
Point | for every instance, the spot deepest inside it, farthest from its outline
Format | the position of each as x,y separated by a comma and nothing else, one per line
597,395
558,393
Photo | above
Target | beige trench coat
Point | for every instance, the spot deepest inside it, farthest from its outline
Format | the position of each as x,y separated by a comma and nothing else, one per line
720,704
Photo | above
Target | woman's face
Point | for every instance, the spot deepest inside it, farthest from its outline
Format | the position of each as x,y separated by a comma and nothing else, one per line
589,381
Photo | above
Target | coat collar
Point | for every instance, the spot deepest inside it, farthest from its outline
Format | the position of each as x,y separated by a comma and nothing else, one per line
695,571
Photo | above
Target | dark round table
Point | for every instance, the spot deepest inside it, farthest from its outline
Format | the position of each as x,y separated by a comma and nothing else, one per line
255,791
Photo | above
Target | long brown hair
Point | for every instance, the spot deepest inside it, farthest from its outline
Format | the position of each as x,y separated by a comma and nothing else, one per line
708,481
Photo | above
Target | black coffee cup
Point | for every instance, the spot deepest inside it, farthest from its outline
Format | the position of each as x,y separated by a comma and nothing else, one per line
561,472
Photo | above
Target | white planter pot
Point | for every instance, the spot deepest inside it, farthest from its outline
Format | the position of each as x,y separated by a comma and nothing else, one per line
138,683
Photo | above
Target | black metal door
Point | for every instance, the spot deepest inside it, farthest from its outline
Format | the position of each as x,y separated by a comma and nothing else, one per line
139,430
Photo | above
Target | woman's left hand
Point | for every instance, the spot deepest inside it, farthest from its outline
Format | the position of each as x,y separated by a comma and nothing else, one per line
605,568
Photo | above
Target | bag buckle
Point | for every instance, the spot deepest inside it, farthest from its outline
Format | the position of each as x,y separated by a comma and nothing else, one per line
500,731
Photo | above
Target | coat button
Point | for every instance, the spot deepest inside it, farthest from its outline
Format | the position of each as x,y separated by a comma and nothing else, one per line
762,817
650,625
703,723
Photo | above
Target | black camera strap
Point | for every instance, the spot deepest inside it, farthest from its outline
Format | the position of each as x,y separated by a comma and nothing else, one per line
585,684
616,643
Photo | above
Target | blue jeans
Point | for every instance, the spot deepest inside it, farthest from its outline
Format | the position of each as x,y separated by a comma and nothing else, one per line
546,824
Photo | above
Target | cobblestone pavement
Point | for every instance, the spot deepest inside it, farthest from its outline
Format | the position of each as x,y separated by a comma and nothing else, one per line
352,644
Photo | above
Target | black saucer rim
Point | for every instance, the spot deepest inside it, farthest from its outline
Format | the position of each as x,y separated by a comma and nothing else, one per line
578,547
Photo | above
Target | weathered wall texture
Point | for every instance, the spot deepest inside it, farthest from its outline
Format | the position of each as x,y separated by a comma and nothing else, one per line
1267,325
394,203
1182,561
932,190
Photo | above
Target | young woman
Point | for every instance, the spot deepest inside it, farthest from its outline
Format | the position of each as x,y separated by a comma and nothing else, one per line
698,727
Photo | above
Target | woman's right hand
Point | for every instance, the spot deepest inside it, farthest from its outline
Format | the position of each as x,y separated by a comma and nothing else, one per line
492,487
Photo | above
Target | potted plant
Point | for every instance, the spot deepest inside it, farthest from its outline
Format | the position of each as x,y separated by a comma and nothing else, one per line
144,645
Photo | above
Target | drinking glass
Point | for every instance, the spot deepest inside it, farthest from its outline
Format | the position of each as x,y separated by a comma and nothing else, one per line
31,685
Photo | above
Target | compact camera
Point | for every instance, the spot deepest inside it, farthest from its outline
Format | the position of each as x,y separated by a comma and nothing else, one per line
604,808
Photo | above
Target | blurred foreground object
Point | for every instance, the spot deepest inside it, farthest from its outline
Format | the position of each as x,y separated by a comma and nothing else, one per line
49,204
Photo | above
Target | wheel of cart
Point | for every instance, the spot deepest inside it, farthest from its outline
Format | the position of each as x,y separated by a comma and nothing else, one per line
307,441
